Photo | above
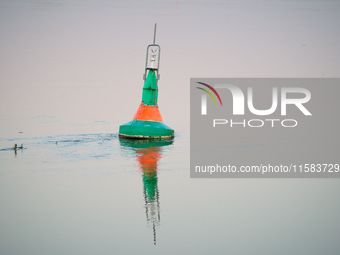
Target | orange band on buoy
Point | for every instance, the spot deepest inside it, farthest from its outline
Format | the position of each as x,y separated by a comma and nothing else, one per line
148,113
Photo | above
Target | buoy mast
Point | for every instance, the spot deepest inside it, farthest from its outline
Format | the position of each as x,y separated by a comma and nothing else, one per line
151,74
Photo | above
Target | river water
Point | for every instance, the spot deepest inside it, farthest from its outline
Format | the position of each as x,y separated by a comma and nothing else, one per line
71,73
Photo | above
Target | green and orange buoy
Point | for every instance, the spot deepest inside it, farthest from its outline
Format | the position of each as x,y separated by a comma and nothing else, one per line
147,123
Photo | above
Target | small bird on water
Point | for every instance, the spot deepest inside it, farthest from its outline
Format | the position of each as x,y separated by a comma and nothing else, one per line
20,148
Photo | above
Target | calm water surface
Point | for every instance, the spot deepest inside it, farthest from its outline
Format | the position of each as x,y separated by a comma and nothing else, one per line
71,73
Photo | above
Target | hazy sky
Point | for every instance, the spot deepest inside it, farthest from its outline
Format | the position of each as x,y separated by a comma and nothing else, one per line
85,59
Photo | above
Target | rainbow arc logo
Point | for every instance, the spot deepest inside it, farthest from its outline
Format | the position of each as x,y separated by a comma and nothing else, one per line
209,93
